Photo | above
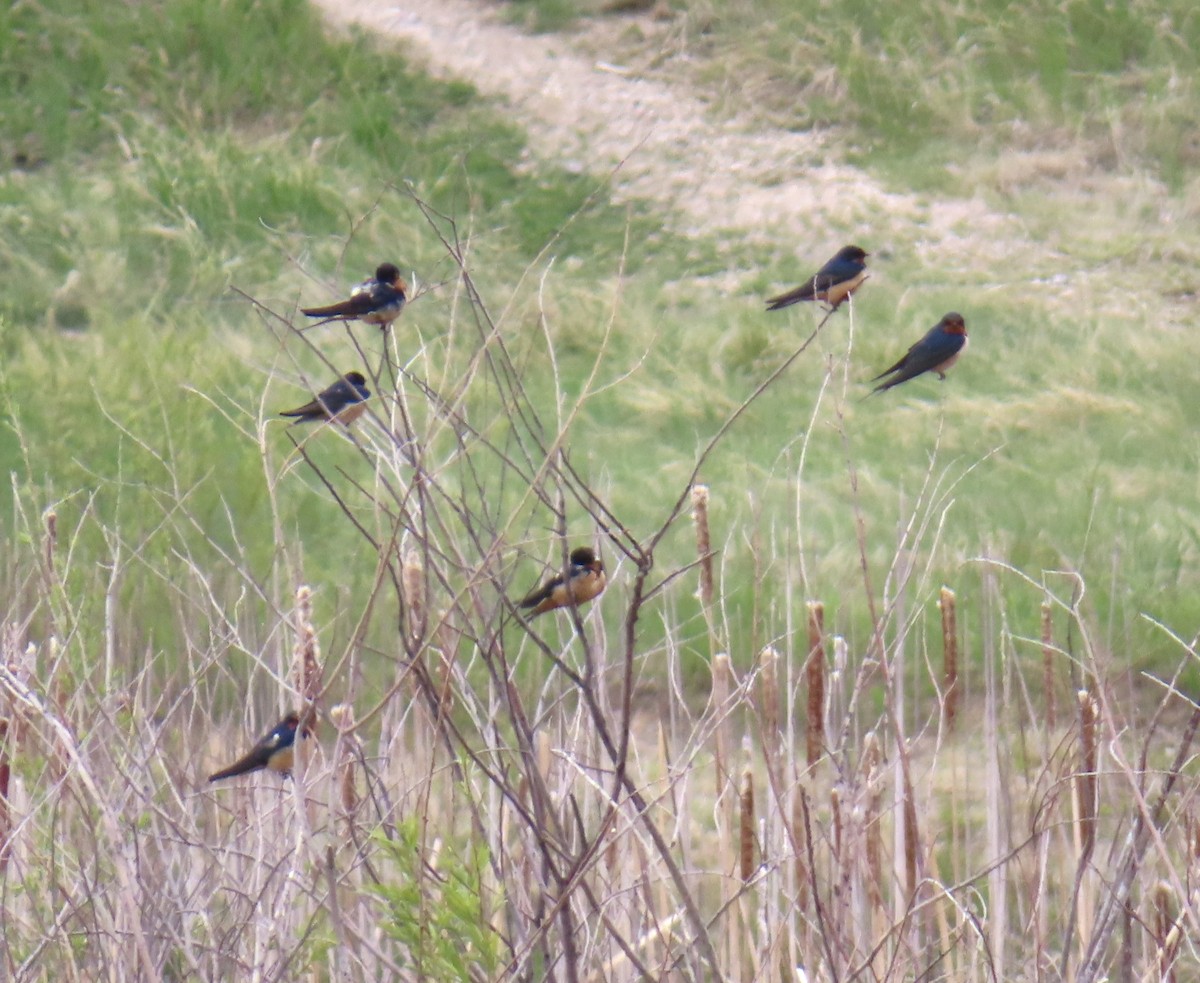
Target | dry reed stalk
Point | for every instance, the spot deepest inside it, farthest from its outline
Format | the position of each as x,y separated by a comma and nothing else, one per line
1085,790
447,637
911,843
746,826
800,869
946,602
996,799
1192,844
726,797
58,762
872,774
307,671
768,662
815,673
545,756
722,686
1040,917
1167,936
13,660
445,650
835,817
954,961
840,685
1048,664
5,819
412,586
703,543
837,910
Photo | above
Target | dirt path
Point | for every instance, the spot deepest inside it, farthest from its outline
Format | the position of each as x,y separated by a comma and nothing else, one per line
781,187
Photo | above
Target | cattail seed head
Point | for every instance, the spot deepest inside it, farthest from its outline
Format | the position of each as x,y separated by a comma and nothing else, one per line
1086,778
946,602
815,674
308,652
412,583
746,826
342,716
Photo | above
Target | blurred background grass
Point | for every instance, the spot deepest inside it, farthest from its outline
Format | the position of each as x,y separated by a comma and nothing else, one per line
160,154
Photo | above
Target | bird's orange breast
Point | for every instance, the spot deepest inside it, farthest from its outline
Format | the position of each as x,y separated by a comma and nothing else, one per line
840,291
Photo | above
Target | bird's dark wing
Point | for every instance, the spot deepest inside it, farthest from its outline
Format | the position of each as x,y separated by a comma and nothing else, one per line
540,594
363,302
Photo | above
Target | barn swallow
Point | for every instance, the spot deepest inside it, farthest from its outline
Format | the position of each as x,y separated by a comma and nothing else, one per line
344,401
936,352
832,283
378,300
584,581
275,751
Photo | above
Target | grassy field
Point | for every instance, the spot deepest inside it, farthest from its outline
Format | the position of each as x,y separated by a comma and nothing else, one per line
176,186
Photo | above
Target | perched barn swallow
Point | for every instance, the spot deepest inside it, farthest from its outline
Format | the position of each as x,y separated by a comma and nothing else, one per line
936,352
832,283
275,751
376,301
584,581
344,401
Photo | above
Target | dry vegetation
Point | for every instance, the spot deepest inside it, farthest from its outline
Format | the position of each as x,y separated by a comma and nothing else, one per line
548,799
778,747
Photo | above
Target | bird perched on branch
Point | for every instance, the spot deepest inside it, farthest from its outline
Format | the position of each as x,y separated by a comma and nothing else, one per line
583,582
832,283
378,300
941,347
276,751
345,401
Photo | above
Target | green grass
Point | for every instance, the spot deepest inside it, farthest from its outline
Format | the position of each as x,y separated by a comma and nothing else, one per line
913,88
201,166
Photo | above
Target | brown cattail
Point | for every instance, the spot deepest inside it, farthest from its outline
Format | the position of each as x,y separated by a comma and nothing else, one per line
815,725
703,543
447,637
342,716
1166,931
412,583
746,830
50,544
911,841
308,650
1085,778
1048,663
949,656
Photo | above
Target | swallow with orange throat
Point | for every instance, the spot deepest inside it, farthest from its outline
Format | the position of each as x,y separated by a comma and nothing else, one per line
276,751
941,347
583,581
345,401
832,283
377,300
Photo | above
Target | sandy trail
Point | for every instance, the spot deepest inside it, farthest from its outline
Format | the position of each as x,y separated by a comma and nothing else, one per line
716,176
